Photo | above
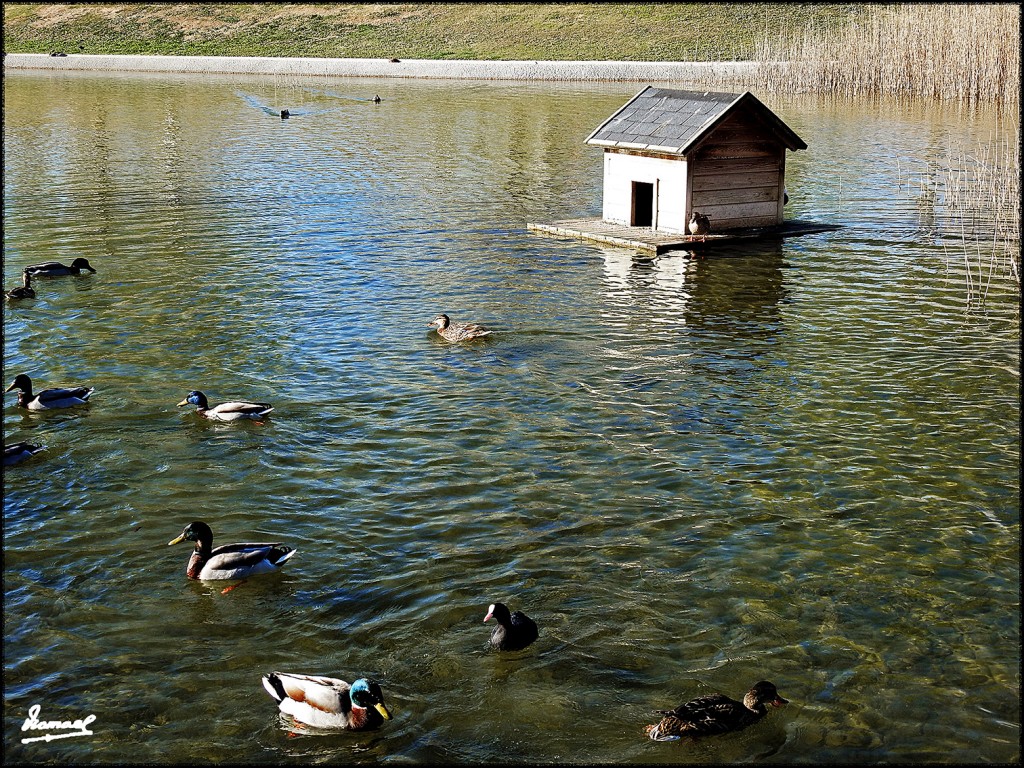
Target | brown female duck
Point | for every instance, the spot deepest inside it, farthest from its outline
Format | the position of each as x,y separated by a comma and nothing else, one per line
23,291
715,713
457,331
700,225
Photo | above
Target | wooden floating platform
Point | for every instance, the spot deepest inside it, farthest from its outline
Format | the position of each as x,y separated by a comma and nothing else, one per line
652,241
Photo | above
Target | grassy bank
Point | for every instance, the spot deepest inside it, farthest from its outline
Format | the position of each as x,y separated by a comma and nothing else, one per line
485,31
968,52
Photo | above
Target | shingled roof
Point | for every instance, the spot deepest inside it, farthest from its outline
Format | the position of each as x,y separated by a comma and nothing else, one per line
667,120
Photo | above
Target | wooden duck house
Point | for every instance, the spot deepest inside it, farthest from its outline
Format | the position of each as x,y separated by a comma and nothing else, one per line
668,153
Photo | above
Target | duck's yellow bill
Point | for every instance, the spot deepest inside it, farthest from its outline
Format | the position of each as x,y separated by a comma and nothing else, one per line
383,711
175,541
183,402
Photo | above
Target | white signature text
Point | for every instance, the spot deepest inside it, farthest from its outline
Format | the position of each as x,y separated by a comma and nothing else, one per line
78,727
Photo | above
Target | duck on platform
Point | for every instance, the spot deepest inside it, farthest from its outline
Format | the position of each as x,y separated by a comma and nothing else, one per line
514,632
229,561
19,452
700,225
225,411
56,269
715,713
457,331
56,397
325,702
23,291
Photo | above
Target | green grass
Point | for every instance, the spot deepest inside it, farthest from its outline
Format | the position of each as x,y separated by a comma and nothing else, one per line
486,31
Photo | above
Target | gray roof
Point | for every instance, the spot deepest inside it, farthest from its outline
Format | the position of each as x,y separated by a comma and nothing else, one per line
667,120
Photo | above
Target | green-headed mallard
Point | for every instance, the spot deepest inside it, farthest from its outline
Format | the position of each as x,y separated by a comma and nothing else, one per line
16,453
457,331
514,632
229,561
23,291
325,702
225,411
715,713
56,269
57,397
700,225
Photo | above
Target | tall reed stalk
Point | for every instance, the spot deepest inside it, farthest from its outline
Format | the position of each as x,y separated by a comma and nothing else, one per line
981,189
980,198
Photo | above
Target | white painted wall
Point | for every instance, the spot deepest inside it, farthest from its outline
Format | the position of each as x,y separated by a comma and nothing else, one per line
668,176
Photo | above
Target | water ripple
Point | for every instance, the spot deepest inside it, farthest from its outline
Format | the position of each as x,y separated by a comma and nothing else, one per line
796,460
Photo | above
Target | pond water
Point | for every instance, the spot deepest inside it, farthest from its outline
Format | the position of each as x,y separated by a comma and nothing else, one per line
796,460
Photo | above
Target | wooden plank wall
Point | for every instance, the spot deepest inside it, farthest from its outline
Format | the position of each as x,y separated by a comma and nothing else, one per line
736,176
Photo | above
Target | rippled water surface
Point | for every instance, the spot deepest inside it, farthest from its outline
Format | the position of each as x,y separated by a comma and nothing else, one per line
795,461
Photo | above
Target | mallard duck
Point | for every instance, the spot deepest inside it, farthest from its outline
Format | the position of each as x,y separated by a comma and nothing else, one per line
325,702
56,397
56,269
225,411
18,452
514,632
700,225
23,291
229,561
715,713
457,331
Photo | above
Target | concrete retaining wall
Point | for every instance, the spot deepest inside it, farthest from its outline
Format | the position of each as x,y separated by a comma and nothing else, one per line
416,68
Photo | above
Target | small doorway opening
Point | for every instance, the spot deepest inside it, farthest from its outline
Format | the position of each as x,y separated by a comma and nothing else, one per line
641,212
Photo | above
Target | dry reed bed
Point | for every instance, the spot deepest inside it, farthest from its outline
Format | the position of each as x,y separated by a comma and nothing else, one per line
969,53
966,52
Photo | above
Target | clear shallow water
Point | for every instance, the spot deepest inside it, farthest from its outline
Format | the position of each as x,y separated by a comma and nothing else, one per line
797,461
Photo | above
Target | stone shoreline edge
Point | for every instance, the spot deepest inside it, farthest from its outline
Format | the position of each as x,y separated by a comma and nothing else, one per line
639,71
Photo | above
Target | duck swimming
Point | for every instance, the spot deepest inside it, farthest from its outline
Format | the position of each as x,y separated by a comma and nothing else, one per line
514,632
23,291
229,561
457,331
715,713
57,397
19,452
56,269
225,411
325,702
